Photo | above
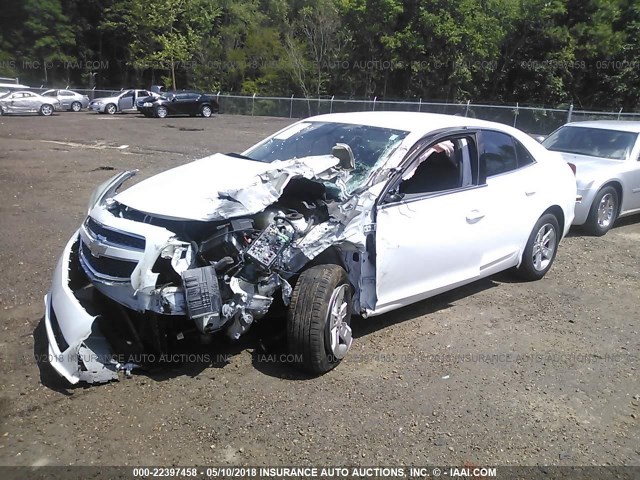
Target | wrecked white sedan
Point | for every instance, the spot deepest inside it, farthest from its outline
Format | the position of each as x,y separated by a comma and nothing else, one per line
357,213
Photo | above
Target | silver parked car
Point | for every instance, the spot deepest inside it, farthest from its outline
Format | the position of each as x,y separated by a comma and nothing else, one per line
27,102
606,155
69,100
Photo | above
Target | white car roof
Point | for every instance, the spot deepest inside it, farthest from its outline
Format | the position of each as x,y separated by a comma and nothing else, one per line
414,122
620,125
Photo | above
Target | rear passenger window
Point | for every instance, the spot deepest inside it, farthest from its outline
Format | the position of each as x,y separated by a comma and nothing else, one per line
498,153
524,157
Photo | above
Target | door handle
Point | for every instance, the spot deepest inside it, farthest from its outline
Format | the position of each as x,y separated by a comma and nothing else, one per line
529,193
474,216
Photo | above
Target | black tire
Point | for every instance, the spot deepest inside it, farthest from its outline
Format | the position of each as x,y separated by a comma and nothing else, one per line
111,109
597,225
161,112
535,264
206,111
76,106
46,110
308,325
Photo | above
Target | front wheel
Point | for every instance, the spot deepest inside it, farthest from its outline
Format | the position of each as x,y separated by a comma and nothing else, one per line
111,109
161,112
76,106
206,111
541,249
46,110
319,319
603,212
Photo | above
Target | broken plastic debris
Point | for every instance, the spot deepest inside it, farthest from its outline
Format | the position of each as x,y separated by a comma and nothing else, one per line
126,368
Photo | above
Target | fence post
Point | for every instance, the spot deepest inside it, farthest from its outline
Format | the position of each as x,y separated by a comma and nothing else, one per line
331,104
291,108
218,100
466,111
570,113
420,105
253,104
619,113
374,104
515,115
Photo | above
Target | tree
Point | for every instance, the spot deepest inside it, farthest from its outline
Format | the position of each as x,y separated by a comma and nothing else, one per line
164,33
48,34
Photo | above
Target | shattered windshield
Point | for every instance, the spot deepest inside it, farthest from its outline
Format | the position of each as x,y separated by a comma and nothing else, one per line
371,146
594,142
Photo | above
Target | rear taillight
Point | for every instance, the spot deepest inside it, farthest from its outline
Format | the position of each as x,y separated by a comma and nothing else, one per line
572,167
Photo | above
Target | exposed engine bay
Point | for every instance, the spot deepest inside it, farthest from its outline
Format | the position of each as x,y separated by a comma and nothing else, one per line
229,271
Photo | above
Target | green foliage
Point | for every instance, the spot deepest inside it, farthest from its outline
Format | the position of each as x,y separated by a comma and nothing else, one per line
535,51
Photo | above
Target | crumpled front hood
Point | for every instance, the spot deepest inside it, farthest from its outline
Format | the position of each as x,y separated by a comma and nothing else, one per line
219,187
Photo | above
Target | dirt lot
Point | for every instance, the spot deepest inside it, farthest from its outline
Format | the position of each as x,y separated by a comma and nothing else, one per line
495,373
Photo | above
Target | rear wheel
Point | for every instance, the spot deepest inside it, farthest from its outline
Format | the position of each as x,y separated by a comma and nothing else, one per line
161,112
46,110
541,249
76,106
206,111
603,212
111,109
319,318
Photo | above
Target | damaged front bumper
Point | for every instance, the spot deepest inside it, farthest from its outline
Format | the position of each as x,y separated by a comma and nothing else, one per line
77,349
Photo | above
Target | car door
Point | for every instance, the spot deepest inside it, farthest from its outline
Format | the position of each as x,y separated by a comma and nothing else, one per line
430,229
66,99
19,103
52,94
10,105
631,197
513,203
33,102
180,104
126,101
140,96
192,104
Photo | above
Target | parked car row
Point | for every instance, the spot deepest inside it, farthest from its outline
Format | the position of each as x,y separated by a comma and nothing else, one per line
123,102
151,103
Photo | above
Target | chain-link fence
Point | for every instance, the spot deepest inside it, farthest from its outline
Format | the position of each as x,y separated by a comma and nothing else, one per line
534,120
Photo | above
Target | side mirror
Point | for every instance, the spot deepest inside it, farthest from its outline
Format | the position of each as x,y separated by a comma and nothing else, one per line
393,196
343,152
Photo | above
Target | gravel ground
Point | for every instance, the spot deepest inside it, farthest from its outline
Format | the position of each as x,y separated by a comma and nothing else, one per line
498,372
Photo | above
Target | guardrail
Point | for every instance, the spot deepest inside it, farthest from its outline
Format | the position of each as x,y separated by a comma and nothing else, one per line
534,120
